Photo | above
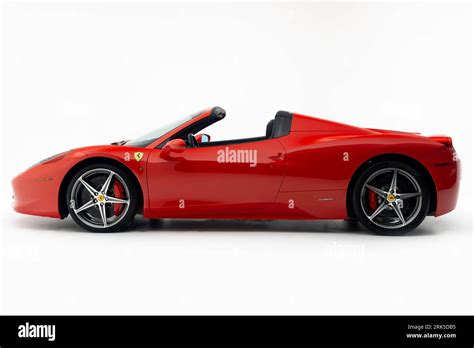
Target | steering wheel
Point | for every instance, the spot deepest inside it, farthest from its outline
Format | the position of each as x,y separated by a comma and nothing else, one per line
192,140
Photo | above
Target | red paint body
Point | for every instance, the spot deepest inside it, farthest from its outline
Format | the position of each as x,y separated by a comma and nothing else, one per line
303,175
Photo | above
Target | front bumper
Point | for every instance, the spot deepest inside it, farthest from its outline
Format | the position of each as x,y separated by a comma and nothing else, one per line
36,192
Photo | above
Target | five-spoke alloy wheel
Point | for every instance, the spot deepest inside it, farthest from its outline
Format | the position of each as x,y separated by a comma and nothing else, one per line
102,198
390,198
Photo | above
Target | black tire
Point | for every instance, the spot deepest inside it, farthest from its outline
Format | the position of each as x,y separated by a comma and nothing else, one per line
384,223
125,180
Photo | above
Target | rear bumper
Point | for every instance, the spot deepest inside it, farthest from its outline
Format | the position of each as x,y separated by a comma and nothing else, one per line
447,177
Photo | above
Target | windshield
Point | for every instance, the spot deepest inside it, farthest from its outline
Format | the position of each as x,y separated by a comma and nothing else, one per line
148,138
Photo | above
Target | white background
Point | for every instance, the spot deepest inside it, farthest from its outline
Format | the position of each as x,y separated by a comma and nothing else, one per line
83,74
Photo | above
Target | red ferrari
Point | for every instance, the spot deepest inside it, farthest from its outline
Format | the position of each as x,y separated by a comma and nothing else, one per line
302,168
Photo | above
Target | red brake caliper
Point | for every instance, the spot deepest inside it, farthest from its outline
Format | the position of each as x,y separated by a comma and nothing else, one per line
372,200
118,193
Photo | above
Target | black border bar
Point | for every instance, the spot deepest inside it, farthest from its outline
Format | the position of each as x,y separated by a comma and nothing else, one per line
242,330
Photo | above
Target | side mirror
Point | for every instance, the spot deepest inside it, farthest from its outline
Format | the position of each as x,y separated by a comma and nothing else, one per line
175,145
203,138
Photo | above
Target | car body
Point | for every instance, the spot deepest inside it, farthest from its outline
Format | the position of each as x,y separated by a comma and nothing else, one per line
303,168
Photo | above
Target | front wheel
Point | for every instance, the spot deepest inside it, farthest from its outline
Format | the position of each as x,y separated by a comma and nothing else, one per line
390,198
102,198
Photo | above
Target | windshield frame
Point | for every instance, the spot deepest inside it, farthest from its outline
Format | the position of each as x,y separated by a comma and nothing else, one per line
150,137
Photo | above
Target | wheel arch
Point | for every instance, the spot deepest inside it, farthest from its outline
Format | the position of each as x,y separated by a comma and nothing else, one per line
392,157
62,204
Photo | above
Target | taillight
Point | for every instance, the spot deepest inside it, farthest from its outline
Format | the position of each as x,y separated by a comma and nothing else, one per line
443,139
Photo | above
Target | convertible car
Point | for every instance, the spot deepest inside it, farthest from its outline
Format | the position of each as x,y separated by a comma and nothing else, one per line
302,168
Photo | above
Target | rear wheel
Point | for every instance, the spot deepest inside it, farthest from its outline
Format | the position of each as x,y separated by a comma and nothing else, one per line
390,198
102,198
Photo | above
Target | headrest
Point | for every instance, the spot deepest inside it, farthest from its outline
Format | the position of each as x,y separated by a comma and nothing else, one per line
282,124
268,133
285,114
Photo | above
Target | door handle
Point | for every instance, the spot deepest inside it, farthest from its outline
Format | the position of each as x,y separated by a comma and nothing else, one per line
278,157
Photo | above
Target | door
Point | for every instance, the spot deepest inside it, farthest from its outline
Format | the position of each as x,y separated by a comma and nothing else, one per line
226,180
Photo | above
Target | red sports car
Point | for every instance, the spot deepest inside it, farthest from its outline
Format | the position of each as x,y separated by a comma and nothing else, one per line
302,168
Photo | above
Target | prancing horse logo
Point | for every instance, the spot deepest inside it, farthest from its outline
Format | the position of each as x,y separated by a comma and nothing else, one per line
138,156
